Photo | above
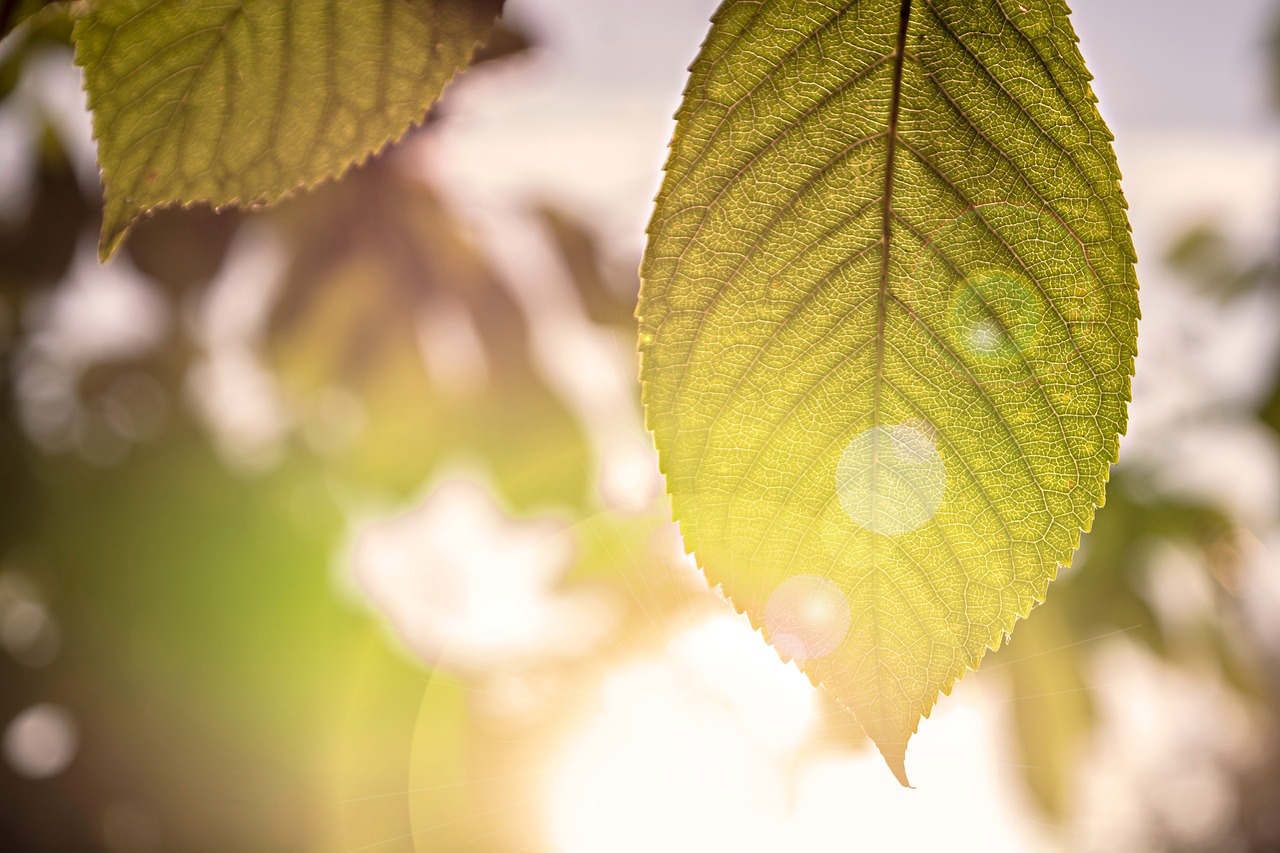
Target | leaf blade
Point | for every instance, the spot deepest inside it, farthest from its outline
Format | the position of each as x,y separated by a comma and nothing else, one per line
244,103
883,226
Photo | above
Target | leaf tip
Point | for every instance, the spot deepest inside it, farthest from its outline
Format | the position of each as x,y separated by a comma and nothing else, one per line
113,233
895,755
119,215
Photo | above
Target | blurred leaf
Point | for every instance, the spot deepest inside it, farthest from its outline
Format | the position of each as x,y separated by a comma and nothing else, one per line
1101,597
350,342
13,13
1102,594
1052,707
244,103
609,300
381,281
1273,51
19,496
505,41
1236,671
888,325
52,27
1203,253
1269,411
182,248
1205,256
37,250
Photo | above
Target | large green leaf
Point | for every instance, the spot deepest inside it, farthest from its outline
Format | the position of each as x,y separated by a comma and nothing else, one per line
244,102
888,324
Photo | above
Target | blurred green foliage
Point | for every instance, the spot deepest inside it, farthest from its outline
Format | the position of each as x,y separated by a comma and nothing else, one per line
1108,590
221,682
14,13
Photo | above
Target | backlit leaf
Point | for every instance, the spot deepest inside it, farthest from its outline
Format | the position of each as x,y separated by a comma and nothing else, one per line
888,324
244,102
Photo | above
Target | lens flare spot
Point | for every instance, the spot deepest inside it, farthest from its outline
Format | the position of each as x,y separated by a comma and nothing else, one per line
891,479
995,316
807,617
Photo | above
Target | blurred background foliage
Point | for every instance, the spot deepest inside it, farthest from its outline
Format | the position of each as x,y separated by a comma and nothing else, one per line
195,663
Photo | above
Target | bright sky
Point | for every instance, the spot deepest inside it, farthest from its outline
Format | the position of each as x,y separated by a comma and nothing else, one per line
1178,65
602,90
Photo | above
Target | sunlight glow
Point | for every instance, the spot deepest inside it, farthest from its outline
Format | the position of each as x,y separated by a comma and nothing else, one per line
469,587
711,745
686,751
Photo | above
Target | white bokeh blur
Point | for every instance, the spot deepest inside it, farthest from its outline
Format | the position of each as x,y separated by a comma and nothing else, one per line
41,741
471,589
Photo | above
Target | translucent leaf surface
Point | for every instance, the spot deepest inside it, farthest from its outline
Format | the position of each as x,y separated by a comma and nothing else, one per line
888,324
243,102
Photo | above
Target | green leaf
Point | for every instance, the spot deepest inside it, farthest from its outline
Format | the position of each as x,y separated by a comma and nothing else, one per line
888,324
245,102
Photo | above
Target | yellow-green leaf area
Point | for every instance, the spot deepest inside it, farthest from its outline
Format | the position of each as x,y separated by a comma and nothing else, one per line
888,324
243,102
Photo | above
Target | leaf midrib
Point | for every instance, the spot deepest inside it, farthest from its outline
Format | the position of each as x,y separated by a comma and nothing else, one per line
886,235
886,205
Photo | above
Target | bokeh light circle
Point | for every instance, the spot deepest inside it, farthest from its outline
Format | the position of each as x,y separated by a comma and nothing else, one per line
41,741
891,479
807,617
995,316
